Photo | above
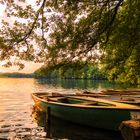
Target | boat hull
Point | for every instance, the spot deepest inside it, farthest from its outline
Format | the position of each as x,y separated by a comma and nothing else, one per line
106,118
100,118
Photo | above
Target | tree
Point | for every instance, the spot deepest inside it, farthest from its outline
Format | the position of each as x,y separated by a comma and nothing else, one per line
76,28
123,47
68,31
78,70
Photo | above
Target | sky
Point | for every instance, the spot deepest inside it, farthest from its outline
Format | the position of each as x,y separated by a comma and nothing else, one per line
29,66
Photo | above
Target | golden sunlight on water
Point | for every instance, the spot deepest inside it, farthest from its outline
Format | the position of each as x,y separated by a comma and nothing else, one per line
15,109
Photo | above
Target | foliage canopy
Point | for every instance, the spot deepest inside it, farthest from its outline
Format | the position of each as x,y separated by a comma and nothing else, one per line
105,31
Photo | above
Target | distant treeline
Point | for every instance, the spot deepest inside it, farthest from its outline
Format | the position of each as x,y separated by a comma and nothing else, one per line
72,72
17,75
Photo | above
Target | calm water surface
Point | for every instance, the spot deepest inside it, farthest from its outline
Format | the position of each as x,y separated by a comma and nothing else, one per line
20,120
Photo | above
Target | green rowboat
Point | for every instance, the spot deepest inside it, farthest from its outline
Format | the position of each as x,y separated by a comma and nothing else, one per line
90,111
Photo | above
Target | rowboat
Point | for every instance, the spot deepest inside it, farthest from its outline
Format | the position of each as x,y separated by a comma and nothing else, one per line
90,111
131,101
122,96
122,92
127,99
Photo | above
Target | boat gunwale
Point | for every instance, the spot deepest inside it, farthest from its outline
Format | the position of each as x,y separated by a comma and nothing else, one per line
114,104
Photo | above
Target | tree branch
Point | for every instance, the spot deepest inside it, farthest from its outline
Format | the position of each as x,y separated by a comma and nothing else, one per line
26,36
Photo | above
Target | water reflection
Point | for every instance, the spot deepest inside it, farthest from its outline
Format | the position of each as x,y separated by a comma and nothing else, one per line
19,126
80,84
60,129
15,109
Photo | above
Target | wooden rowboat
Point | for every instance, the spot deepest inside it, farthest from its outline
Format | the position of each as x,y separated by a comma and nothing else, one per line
123,96
127,99
90,111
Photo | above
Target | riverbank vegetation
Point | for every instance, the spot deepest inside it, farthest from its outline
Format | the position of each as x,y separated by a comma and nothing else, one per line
73,71
62,33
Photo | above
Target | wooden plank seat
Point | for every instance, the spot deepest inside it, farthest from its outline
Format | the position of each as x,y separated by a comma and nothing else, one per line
56,98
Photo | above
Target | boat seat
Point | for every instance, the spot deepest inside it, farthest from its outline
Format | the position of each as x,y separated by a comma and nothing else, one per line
56,98
88,103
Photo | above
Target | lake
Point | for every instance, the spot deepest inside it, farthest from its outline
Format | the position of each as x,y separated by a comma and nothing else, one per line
20,120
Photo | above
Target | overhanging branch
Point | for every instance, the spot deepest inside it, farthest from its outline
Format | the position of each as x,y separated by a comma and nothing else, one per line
27,35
